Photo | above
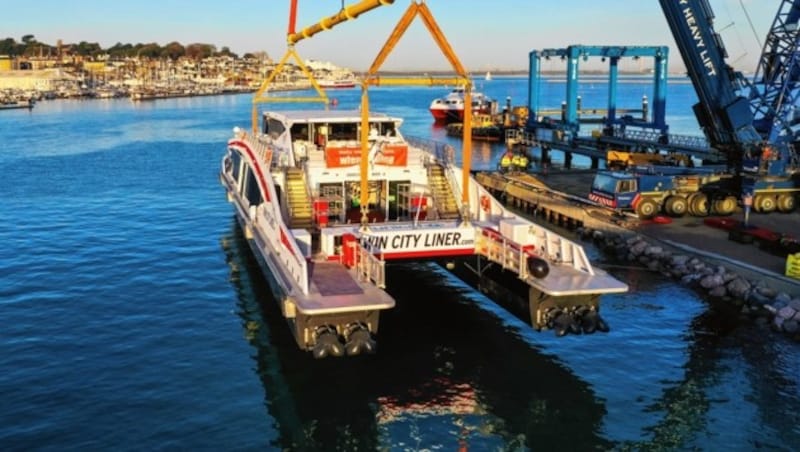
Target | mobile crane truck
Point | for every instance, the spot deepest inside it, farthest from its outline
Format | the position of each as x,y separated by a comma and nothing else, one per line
760,152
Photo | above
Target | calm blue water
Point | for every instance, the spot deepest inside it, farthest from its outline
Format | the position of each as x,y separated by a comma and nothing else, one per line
133,317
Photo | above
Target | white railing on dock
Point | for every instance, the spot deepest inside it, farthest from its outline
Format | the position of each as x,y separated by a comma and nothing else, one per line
521,137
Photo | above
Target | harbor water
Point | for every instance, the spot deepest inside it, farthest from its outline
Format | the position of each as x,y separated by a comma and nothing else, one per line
134,317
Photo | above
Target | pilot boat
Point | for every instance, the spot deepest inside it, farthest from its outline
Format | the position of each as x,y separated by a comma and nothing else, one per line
296,187
450,108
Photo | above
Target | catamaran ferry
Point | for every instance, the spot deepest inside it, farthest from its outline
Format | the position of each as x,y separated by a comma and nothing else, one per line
298,195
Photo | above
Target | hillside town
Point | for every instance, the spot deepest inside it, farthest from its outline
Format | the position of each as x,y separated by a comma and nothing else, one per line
32,71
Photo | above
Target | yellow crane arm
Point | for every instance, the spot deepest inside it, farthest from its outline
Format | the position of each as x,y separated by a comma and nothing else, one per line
347,13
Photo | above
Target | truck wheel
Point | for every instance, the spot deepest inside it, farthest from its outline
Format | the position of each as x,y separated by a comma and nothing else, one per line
646,209
787,202
698,204
764,203
725,206
675,206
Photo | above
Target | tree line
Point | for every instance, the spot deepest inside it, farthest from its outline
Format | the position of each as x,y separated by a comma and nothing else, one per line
29,46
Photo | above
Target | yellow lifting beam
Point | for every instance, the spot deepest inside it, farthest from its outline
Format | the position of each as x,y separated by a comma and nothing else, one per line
347,13
417,8
259,96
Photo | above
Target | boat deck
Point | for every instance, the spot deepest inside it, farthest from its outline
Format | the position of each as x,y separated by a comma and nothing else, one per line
335,289
564,280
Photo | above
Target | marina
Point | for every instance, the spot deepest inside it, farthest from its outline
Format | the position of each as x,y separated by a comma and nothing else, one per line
198,304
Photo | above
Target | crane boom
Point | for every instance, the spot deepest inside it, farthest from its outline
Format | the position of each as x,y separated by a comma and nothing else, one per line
737,118
346,13
723,113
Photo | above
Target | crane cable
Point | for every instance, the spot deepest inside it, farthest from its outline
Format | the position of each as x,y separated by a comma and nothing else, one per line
749,21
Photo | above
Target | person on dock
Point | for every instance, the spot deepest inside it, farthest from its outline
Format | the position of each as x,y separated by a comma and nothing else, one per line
505,162
523,161
516,164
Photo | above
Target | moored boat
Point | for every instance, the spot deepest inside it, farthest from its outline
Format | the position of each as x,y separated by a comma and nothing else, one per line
484,128
337,83
296,188
451,107
16,104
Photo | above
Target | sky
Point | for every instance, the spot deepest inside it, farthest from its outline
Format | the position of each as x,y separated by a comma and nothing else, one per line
485,34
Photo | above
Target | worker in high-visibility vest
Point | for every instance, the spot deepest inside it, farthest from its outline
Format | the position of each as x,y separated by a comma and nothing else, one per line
515,162
523,162
505,162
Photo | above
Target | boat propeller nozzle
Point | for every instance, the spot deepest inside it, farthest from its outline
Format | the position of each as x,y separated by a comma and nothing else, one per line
327,343
575,320
560,321
358,340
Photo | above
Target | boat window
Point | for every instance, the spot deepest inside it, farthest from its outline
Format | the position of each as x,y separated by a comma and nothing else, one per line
252,192
300,132
387,129
344,131
236,163
274,128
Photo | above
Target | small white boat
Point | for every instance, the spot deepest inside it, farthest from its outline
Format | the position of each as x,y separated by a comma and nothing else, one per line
488,76
337,83
296,192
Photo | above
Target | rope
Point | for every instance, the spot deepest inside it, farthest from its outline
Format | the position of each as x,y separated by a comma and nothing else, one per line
749,21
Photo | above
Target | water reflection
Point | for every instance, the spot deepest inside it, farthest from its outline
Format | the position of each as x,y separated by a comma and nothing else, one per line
448,374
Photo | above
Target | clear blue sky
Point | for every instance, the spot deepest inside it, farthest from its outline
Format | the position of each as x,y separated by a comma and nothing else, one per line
485,34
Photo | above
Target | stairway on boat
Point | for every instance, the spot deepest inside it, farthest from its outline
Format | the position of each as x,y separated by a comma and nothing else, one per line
443,199
298,199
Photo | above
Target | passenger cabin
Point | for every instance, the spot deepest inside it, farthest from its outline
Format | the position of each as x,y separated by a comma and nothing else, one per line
324,148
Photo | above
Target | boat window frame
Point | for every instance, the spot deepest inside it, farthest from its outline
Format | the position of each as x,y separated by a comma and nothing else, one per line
236,165
250,187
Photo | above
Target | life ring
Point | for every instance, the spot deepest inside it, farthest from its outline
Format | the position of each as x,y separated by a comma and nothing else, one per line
485,205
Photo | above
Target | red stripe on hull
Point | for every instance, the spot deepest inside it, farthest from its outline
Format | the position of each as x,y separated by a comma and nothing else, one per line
428,254
256,166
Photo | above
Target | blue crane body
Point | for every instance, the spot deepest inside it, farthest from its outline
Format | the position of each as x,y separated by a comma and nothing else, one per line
748,122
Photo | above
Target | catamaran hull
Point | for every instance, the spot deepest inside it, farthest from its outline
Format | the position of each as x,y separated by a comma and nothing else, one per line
333,334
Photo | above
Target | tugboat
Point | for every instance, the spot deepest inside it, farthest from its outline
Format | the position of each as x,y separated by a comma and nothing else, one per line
324,241
451,107
484,128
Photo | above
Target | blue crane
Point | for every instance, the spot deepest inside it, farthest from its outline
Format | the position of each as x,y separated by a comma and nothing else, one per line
776,89
737,118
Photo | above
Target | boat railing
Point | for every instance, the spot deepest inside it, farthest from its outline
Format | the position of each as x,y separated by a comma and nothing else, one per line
268,216
369,265
560,250
522,137
439,153
443,153
501,250
258,144
280,238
